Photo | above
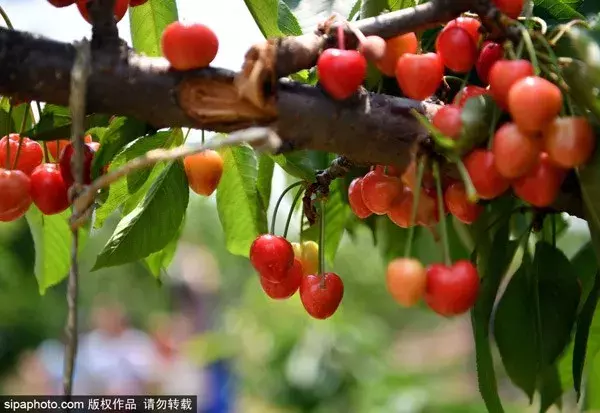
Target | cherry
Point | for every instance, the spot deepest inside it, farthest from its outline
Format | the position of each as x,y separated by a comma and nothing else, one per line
427,211
48,189
409,177
541,185
515,152
512,8
394,48
15,199
55,147
341,72
355,199
467,93
372,48
503,75
30,155
491,52
486,179
321,296
135,3
533,102
65,164
379,191
272,257
457,49
451,290
569,141
189,46
458,204
204,171
310,257
419,75
61,3
120,8
470,24
287,287
448,121
406,279
401,209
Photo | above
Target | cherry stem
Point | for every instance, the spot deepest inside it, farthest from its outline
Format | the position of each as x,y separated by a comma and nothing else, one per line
202,136
442,216
322,241
496,114
45,147
39,109
6,19
58,151
187,134
359,35
472,194
553,218
10,109
21,130
285,191
415,207
530,49
289,217
340,35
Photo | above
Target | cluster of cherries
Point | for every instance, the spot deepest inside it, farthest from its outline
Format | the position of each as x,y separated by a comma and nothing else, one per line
285,268
120,7
28,179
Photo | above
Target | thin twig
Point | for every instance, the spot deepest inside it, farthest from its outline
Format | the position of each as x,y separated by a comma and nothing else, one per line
79,76
261,139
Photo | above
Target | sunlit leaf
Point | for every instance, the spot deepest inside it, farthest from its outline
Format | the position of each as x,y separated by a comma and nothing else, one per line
147,23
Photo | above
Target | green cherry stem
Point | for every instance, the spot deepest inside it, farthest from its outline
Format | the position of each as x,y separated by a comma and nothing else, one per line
289,217
202,136
6,19
466,178
415,207
530,49
442,216
21,130
322,241
45,148
286,190
10,109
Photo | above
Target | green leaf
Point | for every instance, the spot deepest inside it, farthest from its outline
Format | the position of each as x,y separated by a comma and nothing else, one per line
515,330
585,268
589,182
153,223
16,118
161,260
120,132
133,187
391,239
55,123
266,167
297,164
579,77
498,258
394,5
337,213
582,336
550,388
557,9
355,10
239,203
52,241
147,23
286,21
265,13
372,8
477,116
586,44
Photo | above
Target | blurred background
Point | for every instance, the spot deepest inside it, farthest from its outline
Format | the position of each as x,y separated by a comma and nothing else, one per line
205,327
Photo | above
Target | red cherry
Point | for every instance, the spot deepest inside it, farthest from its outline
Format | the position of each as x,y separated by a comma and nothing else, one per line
515,152
321,296
61,3
379,191
189,46
341,72
55,147
504,74
451,290
467,93
288,286
401,209
448,121
135,3
15,199
419,75
459,205
394,48
491,52
355,199
533,102
569,141
512,8
30,155
470,24
120,9
406,279
457,49
486,179
541,185
272,257
48,189
65,164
